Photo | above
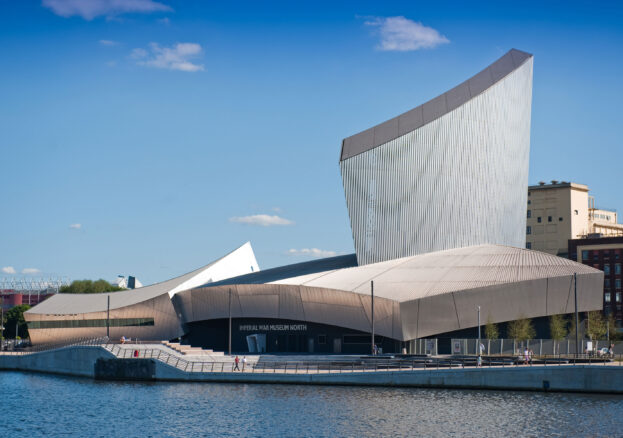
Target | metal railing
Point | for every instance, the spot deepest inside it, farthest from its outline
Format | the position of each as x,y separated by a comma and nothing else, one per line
356,366
57,345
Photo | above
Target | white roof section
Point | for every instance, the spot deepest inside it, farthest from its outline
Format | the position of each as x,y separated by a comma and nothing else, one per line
238,262
431,274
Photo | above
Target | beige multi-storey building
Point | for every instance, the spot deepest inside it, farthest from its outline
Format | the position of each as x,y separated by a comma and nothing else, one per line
561,211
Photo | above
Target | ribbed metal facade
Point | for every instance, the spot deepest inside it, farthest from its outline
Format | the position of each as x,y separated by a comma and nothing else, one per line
457,181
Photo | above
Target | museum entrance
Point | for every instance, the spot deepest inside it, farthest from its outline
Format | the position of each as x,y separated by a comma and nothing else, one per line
259,335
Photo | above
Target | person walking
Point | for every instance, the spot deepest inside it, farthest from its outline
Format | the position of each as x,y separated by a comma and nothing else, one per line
236,361
244,362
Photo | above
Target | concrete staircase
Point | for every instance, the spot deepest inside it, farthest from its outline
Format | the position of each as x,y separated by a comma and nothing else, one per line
188,350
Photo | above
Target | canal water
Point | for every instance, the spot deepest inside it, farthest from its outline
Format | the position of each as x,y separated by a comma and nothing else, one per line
45,405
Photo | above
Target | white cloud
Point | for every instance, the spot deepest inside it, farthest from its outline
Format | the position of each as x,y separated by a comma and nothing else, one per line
138,53
165,21
177,57
8,270
108,43
30,271
89,9
313,252
402,34
75,226
264,220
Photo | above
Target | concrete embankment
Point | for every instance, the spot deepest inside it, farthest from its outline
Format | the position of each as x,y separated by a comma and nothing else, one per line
73,361
99,363
567,378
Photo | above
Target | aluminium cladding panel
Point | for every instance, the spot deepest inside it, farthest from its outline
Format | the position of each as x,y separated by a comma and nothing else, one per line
534,298
349,310
457,181
166,324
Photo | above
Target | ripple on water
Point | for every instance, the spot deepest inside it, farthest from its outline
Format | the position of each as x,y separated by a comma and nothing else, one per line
44,405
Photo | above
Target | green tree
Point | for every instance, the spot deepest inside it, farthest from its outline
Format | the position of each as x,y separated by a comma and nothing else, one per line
491,330
521,329
612,329
89,287
596,326
572,327
13,316
557,328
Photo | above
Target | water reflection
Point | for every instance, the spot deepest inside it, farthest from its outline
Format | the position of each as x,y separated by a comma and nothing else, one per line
38,405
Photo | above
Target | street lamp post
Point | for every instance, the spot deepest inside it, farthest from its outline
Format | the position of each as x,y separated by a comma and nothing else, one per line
478,346
575,294
229,322
372,311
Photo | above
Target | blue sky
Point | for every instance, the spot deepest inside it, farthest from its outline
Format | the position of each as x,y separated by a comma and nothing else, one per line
148,137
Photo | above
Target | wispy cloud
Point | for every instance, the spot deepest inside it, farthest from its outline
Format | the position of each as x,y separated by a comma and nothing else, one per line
89,9
177,57
165,21
9,270
401,34
264,220
75,226
30,271
108,43
313,252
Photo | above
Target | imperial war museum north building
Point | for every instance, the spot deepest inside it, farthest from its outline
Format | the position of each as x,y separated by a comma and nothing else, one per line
436,199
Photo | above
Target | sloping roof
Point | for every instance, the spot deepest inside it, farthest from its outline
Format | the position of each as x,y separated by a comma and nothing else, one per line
294,270
84,303
426,275
434,108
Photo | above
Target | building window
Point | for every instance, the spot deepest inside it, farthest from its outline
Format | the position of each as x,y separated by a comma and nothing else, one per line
356,339
529,202
322,339
559,219
607,297
617,284
81,323
528,245
607,269
549,218
575,212
618,296
538,219
595,256
617,269
529,213
584,255
616,256
607,283
528,230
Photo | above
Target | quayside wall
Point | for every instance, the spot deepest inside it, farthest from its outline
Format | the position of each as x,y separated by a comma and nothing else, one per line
99,363
72,361
564,378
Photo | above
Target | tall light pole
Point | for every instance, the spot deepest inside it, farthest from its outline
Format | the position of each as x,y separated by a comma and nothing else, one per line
478,346
108,317
372,311
230,321
575,295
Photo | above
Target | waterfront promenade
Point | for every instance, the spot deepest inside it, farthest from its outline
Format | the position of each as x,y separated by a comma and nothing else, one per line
157,362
